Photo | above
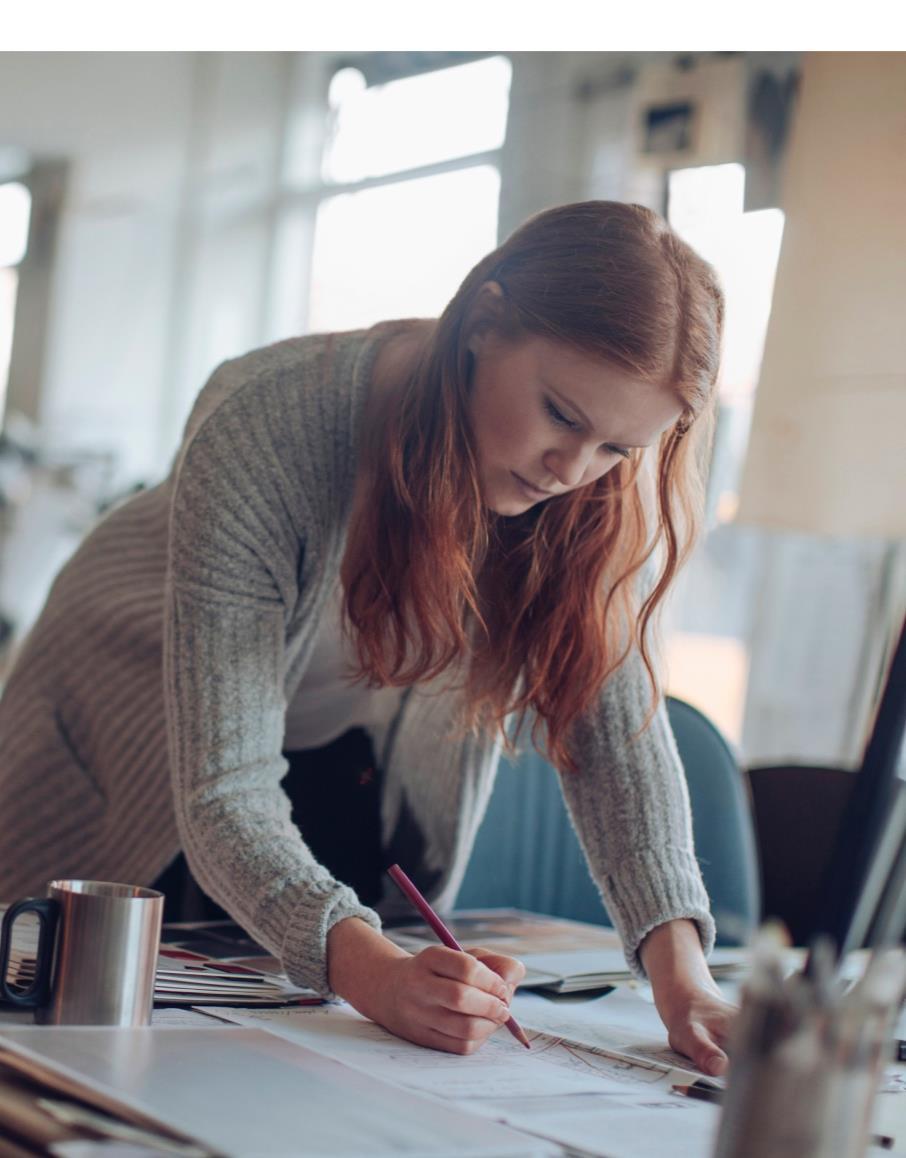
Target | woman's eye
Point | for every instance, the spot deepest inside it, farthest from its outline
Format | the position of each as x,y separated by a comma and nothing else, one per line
559,418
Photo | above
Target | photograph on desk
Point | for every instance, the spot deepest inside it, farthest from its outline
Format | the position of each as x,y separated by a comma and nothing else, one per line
452,588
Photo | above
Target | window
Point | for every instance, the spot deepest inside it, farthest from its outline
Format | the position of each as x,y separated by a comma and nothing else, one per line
410,191
15,211
707,656
706,208
422,120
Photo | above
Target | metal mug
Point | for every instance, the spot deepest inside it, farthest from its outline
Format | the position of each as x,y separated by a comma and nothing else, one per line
97,953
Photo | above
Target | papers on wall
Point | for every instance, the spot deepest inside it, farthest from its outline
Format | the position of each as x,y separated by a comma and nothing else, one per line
252,1094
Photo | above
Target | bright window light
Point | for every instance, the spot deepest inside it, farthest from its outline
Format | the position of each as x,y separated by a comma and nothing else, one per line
15,210
400,250
419,120
706,209
708,660
9,282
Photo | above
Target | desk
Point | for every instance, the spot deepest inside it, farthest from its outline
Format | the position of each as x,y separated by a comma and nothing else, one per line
243,1090
637,1131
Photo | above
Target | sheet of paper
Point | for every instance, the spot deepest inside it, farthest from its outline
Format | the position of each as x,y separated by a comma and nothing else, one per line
179,1015
618,1108
621,1022
252,1094
583,962
650,1124
501,1068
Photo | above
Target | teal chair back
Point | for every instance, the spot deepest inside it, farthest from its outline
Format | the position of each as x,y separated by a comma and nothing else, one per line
527,855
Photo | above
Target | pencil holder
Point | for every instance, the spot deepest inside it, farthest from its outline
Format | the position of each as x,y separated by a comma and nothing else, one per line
806,1059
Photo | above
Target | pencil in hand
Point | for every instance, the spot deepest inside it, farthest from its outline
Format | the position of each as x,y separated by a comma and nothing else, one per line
397,875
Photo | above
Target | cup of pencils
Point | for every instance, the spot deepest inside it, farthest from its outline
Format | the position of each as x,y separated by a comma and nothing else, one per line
807,1056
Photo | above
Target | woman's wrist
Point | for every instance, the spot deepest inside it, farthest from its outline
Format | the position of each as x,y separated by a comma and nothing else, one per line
675,962
355,955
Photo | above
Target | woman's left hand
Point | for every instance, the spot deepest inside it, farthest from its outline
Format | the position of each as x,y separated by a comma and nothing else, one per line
696,1014
698,1023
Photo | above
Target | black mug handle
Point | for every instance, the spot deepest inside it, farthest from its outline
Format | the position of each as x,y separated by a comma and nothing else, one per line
47,911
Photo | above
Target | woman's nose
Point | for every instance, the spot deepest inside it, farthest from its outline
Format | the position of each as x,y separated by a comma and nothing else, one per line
568,464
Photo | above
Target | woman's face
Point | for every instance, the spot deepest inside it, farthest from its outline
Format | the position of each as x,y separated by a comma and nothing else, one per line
547,419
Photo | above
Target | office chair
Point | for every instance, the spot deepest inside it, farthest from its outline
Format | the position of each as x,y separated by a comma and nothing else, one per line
527,854
798,810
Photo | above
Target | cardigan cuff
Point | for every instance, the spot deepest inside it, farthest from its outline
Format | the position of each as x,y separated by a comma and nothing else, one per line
304,953
651,888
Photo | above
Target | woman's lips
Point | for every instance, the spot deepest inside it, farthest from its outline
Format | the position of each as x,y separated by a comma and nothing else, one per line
532,491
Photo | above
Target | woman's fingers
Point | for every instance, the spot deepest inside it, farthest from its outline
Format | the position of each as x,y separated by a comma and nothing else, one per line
697,1043
464,968
461,999
511,970
462,1027
468,1001
448,1042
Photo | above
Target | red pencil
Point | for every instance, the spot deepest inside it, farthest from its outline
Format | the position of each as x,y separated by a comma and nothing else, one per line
396,874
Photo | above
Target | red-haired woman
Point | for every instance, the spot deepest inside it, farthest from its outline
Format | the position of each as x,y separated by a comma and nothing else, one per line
457,512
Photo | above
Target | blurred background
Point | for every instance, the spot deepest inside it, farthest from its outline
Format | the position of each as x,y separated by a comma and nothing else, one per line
160,212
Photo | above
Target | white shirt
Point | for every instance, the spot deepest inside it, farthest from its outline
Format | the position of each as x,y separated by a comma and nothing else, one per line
326,703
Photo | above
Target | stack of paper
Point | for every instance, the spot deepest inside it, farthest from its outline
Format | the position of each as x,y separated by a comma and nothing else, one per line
184,977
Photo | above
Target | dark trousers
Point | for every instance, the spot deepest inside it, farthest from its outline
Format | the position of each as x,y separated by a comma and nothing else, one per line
336,805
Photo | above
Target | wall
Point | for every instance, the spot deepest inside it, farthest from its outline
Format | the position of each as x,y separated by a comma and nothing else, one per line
163,246
173,254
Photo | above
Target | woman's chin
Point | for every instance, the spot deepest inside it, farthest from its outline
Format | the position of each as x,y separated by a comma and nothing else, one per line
509,507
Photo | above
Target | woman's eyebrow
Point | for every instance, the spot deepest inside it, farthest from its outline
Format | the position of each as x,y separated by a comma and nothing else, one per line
572,406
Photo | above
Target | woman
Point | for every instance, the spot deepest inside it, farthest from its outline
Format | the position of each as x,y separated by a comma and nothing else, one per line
469,493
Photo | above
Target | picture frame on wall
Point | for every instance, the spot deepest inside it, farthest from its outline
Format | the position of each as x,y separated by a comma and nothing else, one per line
669,128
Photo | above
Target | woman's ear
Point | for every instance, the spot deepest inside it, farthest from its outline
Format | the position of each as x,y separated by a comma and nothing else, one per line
484,314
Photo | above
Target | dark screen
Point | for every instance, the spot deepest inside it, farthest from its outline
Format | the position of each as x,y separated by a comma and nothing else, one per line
862,894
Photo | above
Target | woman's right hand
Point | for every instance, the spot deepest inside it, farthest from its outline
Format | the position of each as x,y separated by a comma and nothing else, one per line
439,997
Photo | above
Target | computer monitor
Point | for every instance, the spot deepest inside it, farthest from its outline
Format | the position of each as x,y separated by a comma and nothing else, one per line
863,895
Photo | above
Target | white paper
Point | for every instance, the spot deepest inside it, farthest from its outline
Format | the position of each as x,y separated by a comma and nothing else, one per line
501,1068
250,1094
653,1124
179,1015
617,1107
621,1022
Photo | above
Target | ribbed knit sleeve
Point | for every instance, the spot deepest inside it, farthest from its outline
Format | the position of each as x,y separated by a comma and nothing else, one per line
242,547
630,807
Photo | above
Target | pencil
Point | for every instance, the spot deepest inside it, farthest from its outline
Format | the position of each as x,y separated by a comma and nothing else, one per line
702,1093
397,875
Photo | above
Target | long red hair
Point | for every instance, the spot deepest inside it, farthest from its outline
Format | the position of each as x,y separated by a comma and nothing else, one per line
533,613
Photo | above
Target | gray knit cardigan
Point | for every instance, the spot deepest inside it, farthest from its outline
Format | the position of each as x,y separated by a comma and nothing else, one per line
145,713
